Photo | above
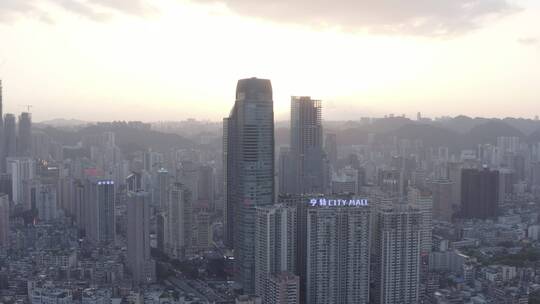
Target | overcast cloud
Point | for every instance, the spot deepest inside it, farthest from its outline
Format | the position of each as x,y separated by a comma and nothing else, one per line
410,17
417,17
97,10
529,41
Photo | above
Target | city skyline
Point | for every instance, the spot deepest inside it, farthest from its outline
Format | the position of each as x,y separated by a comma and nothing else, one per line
346,169
478,55
381,218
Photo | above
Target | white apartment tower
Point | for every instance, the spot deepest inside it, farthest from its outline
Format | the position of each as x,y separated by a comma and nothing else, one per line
338,255
396,255
179,220
275,245
141,265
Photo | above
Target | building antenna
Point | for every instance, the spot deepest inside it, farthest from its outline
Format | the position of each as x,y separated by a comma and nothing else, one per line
28,107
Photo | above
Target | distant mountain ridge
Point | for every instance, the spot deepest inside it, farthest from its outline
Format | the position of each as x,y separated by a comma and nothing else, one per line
61,122
129,139
456,133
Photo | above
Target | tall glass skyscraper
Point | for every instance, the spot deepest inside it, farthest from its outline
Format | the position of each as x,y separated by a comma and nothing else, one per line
248,157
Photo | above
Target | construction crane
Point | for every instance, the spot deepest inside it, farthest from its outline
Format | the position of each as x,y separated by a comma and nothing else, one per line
28,107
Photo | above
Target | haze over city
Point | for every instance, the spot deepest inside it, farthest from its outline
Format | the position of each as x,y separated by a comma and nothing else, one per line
170,60
269,152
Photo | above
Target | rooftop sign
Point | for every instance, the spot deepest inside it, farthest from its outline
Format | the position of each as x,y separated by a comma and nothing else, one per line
324,202
107,182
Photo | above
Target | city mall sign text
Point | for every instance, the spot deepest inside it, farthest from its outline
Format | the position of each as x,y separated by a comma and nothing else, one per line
324,202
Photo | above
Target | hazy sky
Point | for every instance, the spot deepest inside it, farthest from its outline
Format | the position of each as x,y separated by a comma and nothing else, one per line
173,59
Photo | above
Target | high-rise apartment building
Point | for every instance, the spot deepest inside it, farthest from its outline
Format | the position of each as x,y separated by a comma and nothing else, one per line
31,190
454,175
178,221
286,176
41,144
442,199
188,175
161,229
66,194
206,188
330,146
338,254
4,221
21,170
345,181
275,245
393,183
140,263
47,202
396,255
230,184
100,205
307,145
9,140
283,288
507,179
161,191
202,234
248,157
423,201
479,193
507,146
300,203
24,142
152,160
79,198
248,299
134,181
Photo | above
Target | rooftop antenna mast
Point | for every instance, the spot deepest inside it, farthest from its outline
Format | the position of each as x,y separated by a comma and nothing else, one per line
28,107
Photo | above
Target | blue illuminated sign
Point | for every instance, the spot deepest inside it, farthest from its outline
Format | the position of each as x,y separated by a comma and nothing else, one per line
324,202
